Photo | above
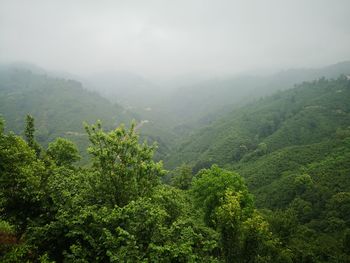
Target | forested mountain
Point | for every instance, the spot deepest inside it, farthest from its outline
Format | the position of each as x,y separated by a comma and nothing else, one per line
175,131
196,104
311,112
283,195
177,108
117,210
59,106
293,150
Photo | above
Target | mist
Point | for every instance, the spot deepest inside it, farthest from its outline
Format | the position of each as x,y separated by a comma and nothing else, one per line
164,39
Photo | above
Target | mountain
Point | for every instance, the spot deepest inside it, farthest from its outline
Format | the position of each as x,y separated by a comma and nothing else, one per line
59,106
290,131
175,110
293,150
188,103
201,102
308,113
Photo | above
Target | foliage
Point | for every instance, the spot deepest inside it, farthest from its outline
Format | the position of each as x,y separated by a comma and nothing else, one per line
29,135
182,177
20,181
292,149
117,210
228,208
209,187
126,167
59,106
64,152
309,113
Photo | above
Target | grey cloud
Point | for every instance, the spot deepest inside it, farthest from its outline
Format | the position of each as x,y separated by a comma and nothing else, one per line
174,37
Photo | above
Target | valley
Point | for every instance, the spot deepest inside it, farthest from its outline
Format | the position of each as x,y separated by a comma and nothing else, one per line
290,142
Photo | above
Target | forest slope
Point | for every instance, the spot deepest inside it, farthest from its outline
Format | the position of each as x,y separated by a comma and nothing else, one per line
200,103
293,150
309,113
59,106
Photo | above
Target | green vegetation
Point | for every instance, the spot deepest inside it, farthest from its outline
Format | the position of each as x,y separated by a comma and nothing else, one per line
118,209
266,182
309,113
293,150
59,106
196,104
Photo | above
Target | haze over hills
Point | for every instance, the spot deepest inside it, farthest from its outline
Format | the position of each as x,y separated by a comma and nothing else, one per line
127,89
175,131
170,112
286,118
291,147
190,103
196,103
59,106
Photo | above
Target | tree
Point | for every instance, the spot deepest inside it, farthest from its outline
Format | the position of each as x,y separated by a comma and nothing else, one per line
2,125
209,187
126,168
228,208
20,180
346,242
63,152
182,177
339,205
29,130
29,134
229,218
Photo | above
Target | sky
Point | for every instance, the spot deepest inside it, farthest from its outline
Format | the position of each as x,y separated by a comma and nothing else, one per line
169,38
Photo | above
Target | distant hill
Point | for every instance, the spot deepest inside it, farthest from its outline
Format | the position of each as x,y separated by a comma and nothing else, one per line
293,149
185,103
176,110
59,106
309,113
202,102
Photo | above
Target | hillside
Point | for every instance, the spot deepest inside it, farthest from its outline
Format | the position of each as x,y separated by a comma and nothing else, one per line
197,104
59,106
292,149
308,113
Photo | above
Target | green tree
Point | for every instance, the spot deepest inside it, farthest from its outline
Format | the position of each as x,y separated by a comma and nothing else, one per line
229,216
29,134
245,234
2,125
29,130
182,177
63,152
339,205
228,208
20,181
126,168
209,187
346,242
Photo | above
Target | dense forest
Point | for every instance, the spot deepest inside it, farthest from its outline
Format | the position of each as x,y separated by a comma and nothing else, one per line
262,181
53,101
293,150
175,131
118,209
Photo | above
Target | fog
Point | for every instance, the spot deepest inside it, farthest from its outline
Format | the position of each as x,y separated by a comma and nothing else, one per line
163,39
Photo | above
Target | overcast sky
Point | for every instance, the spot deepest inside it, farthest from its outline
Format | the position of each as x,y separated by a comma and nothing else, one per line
172,37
